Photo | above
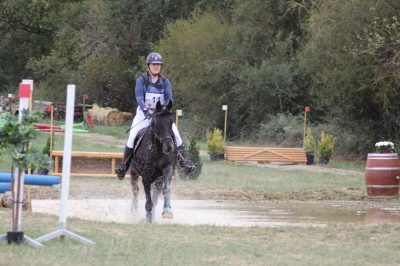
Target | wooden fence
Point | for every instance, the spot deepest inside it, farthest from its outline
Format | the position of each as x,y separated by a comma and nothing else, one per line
84,163
266,155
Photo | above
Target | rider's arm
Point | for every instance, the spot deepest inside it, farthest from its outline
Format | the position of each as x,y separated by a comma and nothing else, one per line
168,91
140,93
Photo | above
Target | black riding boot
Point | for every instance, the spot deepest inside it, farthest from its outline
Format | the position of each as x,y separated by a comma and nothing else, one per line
121,168
187,166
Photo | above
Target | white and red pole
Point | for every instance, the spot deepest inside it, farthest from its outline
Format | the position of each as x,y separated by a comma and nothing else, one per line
18,189
25,89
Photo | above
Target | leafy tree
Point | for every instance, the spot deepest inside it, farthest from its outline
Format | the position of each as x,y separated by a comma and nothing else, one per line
266,41
27,31
100,46
352,55
199,64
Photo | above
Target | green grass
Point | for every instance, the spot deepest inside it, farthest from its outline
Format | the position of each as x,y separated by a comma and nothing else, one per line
153,244
349,165
254,177
116,131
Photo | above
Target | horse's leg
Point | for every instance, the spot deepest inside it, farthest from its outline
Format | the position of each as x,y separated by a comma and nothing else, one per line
156,189
135,190
167,176
149,203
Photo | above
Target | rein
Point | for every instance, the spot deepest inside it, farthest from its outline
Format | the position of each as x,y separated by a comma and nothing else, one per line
134,125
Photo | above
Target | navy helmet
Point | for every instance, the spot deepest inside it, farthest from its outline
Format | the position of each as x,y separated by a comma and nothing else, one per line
154,58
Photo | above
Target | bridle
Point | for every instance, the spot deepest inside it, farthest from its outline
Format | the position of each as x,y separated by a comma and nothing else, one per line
160,139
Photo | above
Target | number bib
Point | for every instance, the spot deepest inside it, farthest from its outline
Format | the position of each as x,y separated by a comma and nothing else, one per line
151,100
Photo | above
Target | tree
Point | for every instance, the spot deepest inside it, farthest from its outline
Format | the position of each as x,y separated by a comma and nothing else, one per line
352,56
200,65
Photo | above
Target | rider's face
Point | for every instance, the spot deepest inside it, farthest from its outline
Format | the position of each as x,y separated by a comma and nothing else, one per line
155,69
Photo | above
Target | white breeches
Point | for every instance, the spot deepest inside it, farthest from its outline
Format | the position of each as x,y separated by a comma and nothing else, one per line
140,122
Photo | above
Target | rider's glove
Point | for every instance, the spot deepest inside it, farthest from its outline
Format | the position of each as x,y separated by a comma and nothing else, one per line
147,114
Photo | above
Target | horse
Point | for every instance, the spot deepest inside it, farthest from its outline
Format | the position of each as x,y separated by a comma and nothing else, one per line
154,160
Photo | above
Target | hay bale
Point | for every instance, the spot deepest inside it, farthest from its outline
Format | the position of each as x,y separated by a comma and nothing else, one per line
127,115
106,115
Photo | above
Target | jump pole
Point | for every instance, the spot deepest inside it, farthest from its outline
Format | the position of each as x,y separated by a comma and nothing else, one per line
17,181
66,171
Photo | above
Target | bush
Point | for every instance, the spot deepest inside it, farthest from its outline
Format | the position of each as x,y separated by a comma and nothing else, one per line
326,145
192,152
282,129
309,143
215,142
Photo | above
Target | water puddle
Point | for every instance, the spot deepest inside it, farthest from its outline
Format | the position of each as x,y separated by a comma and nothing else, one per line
229,213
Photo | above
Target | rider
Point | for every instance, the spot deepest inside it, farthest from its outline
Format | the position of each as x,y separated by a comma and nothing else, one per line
158,89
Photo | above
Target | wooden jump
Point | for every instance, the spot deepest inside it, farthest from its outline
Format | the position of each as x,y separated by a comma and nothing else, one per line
85,163
265,155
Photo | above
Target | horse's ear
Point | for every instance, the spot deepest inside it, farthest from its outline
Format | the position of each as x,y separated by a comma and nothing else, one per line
169,106
159,107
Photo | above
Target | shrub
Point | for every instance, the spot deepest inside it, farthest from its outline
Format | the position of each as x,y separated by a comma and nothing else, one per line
326,145
282,129
309,143
215,142
192,152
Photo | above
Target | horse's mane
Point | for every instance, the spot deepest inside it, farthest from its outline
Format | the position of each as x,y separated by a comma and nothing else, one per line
164,112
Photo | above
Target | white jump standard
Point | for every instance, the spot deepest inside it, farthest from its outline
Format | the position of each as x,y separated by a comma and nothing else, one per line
66,171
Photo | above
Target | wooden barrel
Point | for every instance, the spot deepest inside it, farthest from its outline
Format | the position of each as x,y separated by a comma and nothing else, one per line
382,175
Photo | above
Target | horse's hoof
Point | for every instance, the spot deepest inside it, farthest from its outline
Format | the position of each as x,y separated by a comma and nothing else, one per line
167,213
134,208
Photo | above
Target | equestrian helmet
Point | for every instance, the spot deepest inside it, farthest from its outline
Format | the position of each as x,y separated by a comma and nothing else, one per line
154,58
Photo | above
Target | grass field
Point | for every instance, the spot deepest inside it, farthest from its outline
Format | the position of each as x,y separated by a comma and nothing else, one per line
155,244
152,244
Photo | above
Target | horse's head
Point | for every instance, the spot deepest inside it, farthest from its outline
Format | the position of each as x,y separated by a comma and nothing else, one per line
161,125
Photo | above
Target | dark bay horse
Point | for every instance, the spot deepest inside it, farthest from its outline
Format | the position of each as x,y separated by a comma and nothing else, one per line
154,160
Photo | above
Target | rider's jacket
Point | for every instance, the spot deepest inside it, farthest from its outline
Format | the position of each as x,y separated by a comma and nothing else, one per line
147,98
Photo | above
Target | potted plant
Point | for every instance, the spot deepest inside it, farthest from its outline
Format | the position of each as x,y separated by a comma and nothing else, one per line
384,147
380,179
309,147
215,144
325,147
14,139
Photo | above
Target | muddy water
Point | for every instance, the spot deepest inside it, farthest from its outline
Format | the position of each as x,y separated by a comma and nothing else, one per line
229,213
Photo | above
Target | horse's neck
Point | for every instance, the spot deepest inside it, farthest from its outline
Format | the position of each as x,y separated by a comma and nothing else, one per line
151,135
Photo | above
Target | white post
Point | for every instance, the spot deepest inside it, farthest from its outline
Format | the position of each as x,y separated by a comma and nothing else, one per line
178,114
66,171
225,108
66,167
